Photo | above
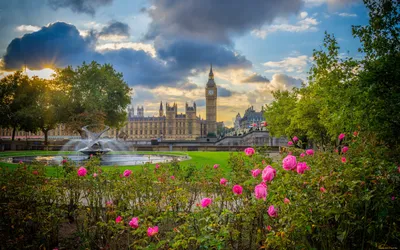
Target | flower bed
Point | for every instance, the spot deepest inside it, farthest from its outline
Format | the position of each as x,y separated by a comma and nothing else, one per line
310,199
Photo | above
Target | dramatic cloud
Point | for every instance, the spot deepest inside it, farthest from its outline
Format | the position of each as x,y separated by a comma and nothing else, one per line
80,6
149,48
215,21
188,86
255,78
224,92
263,94
305,25
190,54
289,64
115,28
60,44
56,45
27,28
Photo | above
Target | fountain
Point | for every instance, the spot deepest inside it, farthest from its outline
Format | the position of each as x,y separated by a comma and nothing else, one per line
94,145
111,151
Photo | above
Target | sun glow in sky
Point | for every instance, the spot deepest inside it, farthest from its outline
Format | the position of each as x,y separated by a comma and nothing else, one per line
164,48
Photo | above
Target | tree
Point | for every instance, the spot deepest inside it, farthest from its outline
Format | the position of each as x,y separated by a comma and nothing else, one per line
16,94
380,77
50,106
278,114
97,95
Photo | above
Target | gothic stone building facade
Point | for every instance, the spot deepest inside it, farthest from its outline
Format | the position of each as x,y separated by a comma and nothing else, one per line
170,125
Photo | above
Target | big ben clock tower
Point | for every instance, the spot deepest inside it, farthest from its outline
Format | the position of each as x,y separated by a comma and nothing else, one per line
211,104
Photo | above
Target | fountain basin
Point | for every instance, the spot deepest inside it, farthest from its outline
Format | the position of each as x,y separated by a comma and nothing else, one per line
106,160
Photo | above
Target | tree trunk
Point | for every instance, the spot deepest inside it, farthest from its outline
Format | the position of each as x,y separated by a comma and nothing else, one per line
13,134
46,136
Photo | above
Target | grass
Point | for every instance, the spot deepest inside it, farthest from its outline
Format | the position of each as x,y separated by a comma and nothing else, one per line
198,159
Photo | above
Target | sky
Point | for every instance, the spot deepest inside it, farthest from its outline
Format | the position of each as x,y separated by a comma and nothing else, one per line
164,48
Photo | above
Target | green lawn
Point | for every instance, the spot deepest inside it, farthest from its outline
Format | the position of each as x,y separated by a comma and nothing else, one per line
198,159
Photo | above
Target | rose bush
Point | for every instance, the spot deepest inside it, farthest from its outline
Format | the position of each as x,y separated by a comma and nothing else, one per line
317,203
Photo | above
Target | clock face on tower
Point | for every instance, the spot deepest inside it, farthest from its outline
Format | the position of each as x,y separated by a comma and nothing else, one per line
210,92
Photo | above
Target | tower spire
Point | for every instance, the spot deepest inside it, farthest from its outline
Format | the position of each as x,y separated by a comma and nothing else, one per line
211,75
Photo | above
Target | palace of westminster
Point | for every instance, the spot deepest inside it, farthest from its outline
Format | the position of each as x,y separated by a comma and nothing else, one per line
169,125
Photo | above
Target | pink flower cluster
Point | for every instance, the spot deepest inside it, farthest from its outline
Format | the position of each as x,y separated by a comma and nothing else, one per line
206,202
151,231
82,171
301,167
237,189
127,173
260,191
255,172
249,151
289,162
269,173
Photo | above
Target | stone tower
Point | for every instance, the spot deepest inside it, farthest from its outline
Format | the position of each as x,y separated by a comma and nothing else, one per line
140,111
211,103
161,111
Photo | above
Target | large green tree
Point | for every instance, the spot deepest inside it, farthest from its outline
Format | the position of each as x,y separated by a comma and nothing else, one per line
17,94
97,95
50,106
380,78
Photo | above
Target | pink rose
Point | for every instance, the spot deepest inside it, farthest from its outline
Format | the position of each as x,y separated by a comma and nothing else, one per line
310,152
260,191
109,203
290,143
237,189
172,177
21,162
206,202
344,149
216,166
64,161
355,133
118,219
151,231
269,173
301,167
272,211
134,223
344,159
35,172
286,200
223,181
249,151
157,166
393,198
82,171
269,228
91,155
295,139
289,162
341,136
94,175
127,173
255,172
322,189
302,155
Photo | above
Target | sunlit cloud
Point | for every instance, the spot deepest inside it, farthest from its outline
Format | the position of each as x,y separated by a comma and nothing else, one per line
149,48
306,24
289,64
27,28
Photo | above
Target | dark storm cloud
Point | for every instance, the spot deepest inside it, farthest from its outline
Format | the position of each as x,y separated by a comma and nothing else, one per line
256,78
115,28
58,44
190,54
79,6
215,20
223,92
